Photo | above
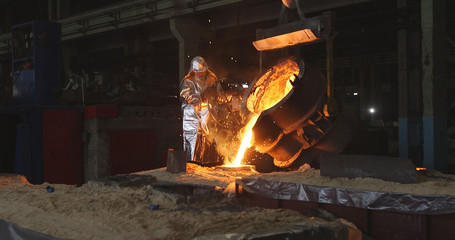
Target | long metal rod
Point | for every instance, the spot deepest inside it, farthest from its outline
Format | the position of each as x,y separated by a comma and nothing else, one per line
178,35
329,46
82,92
260,62
299,9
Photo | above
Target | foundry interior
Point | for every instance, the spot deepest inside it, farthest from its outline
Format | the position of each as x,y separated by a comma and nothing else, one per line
314,119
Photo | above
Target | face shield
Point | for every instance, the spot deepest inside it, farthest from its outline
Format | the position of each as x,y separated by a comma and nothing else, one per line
198,65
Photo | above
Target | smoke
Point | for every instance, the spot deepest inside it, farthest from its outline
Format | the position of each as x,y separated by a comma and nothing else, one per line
228,133
225,125
227,144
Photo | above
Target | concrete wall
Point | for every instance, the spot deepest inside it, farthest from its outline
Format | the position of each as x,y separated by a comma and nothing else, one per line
165,122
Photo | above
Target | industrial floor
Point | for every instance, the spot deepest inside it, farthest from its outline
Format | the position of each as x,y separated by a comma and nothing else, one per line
197,204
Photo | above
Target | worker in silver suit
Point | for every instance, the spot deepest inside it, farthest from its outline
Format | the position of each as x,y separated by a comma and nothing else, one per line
195,89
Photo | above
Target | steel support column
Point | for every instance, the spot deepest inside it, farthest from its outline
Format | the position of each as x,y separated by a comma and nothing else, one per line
96,150
50,10
409,110
402,60
434,82
66,59
184,30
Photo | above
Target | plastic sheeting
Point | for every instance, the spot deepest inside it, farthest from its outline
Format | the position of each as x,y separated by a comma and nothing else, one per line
373,200
10,231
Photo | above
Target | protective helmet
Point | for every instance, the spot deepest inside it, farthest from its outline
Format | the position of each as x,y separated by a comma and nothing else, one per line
198,64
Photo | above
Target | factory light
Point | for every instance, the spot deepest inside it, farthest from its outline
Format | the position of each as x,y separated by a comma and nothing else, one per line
245,85
355,94
285,40
372,110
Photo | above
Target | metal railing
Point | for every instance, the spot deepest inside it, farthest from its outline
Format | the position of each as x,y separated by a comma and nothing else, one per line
123,15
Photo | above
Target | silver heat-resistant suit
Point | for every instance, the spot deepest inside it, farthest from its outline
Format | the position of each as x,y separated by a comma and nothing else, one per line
195,103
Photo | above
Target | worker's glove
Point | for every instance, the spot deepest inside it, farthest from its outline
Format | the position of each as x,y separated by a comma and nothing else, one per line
185,93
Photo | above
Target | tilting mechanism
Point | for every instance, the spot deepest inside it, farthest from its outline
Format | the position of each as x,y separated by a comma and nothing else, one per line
303,31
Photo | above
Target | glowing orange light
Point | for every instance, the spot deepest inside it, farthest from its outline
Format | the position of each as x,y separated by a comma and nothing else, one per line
269,90
285,40
421,169
246,142
272,87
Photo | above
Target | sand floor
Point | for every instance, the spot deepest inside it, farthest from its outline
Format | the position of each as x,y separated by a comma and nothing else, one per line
101,212
430,182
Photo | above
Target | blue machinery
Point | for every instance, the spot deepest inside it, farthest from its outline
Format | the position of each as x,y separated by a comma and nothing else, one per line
36,53
35,62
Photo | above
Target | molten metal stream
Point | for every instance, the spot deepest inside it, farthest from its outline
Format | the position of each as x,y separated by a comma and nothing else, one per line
270,89
246,142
